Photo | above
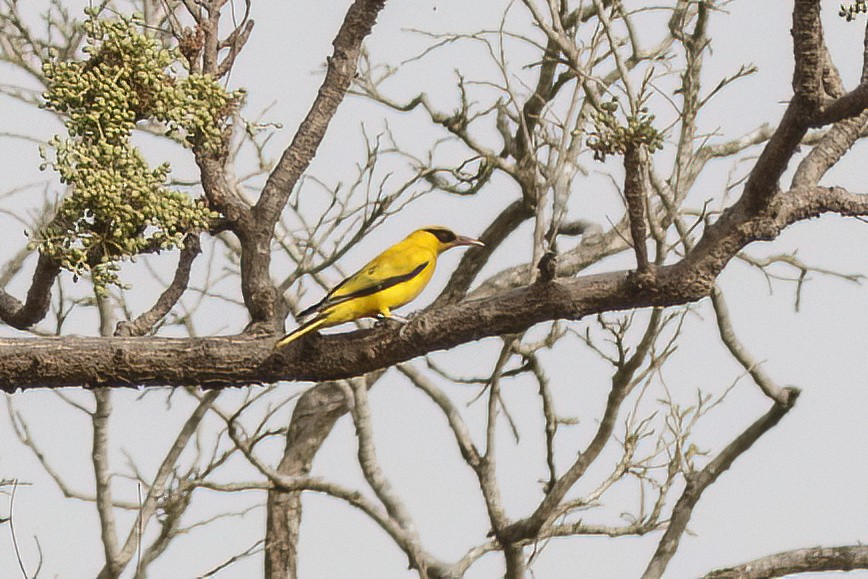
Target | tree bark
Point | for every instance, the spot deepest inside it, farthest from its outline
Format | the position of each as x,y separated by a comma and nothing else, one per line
814,560
243,360
312,420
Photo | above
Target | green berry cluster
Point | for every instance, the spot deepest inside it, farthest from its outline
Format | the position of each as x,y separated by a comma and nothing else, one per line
850,11
117,206
611,138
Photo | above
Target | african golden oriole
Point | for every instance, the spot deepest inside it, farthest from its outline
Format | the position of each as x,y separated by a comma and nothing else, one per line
388,281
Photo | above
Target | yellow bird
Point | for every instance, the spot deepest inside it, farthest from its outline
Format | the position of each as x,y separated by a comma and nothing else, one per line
388,281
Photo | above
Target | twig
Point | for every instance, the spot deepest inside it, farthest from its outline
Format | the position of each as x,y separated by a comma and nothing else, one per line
11,520
253,549
698,482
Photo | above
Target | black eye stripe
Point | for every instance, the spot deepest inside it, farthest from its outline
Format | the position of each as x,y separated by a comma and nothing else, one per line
443,235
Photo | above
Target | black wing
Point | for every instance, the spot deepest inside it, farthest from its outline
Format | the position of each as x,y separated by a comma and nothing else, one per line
373,288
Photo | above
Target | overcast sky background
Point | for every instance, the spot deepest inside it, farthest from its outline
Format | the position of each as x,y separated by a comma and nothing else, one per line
804,483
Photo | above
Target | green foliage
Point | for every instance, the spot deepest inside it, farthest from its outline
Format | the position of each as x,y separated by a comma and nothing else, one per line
117,206
850,11
612,138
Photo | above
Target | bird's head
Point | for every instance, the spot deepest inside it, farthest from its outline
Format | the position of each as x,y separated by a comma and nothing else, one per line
442,238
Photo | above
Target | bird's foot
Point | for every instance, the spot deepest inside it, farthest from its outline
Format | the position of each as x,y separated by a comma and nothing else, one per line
383,320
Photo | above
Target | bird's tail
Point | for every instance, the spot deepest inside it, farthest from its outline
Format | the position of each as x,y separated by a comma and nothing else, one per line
301,331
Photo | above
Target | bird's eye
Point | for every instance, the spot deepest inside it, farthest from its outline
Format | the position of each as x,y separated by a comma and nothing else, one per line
443,235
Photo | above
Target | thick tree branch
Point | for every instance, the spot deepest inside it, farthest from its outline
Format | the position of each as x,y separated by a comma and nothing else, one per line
214,362
845,107
635,193
814,560
312,420
23,315
808,45
358,23
834,144
260,296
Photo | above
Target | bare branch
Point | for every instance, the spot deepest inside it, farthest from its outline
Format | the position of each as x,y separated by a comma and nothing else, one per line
10,520
754,368
22,315
146,321
358,22
104,502
214,362
474,259
157,487
253,549
622,383
698,482
459,428
636,192
816,560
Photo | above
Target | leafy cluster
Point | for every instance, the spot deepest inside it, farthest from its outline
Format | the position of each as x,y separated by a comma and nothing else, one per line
117,206
850,11
612,138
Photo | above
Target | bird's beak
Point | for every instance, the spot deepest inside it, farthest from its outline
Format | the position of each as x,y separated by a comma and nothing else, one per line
461,240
